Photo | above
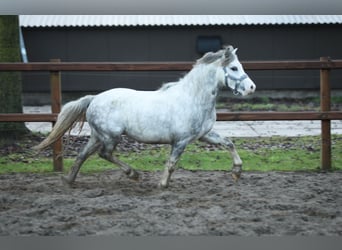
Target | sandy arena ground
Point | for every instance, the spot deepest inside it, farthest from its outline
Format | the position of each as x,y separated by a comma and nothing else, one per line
196,203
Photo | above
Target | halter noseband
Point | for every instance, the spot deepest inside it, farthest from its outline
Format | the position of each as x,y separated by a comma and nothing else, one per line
237,81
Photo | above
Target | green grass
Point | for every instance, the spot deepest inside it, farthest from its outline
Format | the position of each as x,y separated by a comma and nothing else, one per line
281,105
258,154
268,104
44,165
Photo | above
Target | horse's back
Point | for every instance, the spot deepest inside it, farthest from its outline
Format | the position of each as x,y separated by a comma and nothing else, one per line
140,114
160,116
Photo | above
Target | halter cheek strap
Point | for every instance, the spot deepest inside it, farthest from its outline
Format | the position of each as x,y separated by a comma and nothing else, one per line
237,81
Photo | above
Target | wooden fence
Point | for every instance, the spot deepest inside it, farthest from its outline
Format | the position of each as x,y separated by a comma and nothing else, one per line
325,65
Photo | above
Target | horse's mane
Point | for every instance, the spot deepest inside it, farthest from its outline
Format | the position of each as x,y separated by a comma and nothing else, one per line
211,57
208,58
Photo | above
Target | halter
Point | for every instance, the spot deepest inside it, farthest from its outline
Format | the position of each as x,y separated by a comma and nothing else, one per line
237,81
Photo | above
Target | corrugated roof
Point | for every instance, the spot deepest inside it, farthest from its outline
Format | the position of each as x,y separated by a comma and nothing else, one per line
172,20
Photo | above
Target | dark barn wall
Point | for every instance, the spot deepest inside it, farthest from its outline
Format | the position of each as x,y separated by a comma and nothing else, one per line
178,44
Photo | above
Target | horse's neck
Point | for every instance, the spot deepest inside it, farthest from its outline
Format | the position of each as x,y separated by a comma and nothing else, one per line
201,84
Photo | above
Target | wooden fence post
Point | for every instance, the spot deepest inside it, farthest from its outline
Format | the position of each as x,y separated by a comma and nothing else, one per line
56,103
325,124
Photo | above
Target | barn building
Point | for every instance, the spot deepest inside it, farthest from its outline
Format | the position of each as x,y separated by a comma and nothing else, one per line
134,38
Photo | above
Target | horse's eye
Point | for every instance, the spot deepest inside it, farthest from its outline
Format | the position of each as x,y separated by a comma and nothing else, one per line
234,68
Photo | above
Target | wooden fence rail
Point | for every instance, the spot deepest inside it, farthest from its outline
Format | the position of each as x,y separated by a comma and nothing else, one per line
325,65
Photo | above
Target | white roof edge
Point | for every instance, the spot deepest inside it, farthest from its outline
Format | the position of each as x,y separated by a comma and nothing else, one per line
172,20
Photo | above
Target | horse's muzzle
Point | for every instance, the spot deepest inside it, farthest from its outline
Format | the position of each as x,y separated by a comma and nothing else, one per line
247,87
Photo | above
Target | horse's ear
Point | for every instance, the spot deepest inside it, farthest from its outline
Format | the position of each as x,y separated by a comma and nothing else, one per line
229,53
234,51
228,49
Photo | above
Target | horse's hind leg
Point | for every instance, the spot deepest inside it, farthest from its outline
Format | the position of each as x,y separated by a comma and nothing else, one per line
88,150
214,138
107,153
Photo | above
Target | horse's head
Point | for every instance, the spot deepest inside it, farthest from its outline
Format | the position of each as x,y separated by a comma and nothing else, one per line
235,77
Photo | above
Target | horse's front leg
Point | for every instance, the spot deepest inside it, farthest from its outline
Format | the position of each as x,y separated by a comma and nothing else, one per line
214,138
176,152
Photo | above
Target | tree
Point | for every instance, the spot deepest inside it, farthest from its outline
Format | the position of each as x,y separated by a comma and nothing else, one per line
10,82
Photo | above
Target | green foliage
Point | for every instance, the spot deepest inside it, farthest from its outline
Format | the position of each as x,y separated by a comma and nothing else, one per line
269,104
258,154
10,82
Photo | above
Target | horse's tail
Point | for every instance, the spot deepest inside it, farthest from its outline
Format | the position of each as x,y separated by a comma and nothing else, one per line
71,113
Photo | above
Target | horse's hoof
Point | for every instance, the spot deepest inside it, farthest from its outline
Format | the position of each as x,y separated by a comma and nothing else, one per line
236,176
236,172
163,185
133,175
66,181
